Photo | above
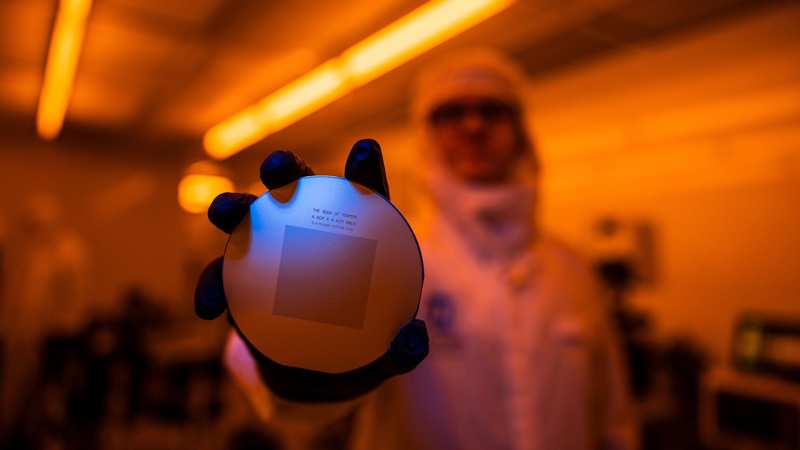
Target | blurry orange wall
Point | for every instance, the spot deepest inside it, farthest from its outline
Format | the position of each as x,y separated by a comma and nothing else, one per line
699,135
124,209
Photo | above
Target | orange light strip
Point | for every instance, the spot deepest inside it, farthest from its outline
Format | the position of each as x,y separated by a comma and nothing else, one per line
414,34
399,42
283,107
62,60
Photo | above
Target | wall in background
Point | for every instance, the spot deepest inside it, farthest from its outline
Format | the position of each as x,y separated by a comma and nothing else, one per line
697,136
700,137
124,209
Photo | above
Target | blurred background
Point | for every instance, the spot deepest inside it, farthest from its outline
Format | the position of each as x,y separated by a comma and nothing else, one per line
669,134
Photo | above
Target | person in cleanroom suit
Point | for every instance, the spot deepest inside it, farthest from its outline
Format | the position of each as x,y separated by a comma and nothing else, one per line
522,348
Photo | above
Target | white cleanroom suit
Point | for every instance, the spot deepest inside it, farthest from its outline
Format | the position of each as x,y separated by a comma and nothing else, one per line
522,350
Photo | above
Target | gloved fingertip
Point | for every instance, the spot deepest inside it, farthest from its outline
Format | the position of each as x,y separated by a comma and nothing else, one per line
365,166
228,209
408,349
210,308
365,148
209,296
413,342
281,168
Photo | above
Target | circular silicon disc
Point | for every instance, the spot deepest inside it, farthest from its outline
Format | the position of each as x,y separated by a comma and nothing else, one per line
322,274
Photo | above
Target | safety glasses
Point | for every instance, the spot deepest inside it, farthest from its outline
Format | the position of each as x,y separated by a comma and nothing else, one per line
455,112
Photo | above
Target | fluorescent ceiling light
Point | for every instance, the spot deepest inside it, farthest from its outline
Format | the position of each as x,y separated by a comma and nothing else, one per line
62,60
406,38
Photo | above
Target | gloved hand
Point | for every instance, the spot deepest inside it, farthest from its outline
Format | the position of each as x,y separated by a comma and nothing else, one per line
364,166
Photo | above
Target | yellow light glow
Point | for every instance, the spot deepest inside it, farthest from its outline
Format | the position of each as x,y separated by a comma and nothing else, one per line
406,38
238,132
285,106
317,87
62,60
414,34
196,192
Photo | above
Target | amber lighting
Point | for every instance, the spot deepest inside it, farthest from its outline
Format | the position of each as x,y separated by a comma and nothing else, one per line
406,38
195,192
65,48
290,103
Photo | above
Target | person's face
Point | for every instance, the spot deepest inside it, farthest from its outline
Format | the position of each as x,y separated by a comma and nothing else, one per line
478,138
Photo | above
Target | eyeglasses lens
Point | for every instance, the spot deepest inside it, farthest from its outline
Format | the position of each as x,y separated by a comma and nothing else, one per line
455,113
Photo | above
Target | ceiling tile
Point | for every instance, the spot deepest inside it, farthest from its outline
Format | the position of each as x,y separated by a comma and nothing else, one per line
107,101
25,27
116,46
180,11
19,89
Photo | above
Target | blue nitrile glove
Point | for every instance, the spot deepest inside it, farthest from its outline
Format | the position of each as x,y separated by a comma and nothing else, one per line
410,346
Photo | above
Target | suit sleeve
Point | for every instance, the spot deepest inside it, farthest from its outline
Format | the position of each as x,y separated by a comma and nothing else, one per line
617,422
270,407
